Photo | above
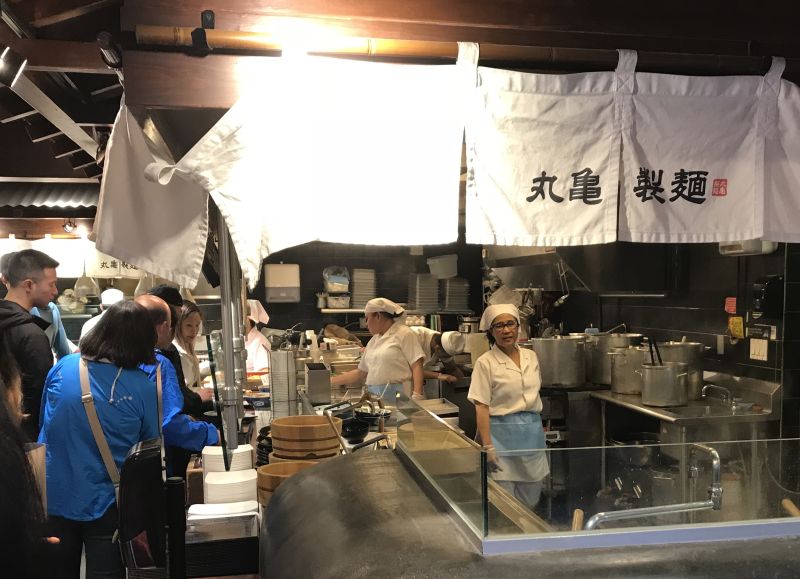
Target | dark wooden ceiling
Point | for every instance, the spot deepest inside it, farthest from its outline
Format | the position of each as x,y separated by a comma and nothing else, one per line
183,95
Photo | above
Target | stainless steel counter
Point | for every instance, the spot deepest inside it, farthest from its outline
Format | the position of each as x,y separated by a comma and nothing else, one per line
694,413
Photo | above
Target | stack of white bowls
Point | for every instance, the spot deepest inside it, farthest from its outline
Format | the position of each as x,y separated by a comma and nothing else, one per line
230,487
242,458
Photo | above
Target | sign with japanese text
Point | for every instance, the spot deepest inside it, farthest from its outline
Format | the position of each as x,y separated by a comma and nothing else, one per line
691,160
543,159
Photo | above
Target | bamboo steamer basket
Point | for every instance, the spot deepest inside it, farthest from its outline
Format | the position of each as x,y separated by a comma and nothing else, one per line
276,458
271,476
305,454
301,428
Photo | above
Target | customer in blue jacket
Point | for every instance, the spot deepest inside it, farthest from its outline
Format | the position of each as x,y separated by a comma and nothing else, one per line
179,429
81,503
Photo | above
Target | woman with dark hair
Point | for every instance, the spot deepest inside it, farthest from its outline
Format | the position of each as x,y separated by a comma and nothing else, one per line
81,502
21,515
505,389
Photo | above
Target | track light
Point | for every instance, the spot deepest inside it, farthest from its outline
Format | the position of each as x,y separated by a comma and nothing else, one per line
110,53
69,225
11,66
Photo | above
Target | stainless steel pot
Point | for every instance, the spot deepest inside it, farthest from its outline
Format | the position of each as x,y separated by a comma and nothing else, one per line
469,325
601,345
692,354
561,360
665,384
624,365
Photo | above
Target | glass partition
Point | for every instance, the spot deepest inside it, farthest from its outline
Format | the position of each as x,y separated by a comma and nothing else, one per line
610,495
453,464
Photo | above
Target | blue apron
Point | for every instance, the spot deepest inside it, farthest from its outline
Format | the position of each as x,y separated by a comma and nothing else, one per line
519,431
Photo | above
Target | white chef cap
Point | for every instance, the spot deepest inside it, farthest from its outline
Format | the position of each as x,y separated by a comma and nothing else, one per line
490,313
257,312
383,305
111,296
453,342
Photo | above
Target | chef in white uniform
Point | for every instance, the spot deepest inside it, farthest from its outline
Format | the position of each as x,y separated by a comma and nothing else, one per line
256,344
392,359
439,349
505,390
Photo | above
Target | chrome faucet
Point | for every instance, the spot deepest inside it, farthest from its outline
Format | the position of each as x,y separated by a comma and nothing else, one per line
727,396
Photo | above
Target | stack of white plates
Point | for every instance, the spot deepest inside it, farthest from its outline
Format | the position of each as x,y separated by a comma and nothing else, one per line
242,458
230,487
455,293
363,287
423,292
203,511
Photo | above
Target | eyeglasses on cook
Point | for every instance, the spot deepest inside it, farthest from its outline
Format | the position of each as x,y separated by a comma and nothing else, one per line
510,324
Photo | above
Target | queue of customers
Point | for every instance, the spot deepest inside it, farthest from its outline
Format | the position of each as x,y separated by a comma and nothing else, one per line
124,356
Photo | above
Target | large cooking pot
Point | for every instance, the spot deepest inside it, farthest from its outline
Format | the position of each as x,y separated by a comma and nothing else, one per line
561,360
624,365
468,324
601,345
692,354
664,384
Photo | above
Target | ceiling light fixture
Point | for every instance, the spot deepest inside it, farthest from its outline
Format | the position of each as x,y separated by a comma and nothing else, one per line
11,66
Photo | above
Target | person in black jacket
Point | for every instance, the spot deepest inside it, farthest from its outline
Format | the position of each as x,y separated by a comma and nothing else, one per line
31,281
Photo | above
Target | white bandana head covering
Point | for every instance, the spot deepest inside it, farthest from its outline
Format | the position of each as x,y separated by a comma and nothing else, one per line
383,305
453,342
111,296
490,313
257,312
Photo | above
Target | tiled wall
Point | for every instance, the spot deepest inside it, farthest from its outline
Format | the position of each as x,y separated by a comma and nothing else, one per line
392,265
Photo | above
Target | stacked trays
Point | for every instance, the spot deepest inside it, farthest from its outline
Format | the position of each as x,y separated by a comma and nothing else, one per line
212,458
363,287
423,292
271,476
304,438
283,383
230,487
455,294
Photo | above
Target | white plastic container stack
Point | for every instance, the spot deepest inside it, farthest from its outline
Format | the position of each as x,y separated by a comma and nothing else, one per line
242,458
230,487
444,266
455,294
363,287
423,292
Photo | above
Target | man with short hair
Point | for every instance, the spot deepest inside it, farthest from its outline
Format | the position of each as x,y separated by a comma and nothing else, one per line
439,349
31,281
179,429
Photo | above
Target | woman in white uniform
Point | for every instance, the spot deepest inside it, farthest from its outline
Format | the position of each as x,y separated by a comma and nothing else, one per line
392,356
256,343
505,390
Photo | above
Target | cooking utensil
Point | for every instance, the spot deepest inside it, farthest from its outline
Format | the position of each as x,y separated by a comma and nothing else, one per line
658,352
562,360
601,345
624,364
635,448
692,354
664,384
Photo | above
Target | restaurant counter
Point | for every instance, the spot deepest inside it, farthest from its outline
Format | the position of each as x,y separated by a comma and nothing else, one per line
366,515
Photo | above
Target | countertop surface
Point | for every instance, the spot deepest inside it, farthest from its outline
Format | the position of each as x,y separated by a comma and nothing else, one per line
695,412
364,515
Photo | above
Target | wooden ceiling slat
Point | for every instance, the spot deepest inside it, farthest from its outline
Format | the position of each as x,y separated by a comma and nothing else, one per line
49,12
63,147
56,55
40,129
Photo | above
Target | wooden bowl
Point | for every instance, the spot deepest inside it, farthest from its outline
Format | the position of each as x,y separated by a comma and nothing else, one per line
304,428
271,476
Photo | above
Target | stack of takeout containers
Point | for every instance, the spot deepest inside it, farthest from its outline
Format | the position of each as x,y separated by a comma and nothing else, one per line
241,459
423,292
283,383
230,487
454,294
363,287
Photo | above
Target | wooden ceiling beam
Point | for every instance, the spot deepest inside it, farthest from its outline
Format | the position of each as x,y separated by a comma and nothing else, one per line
49,12
712,19
56,55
